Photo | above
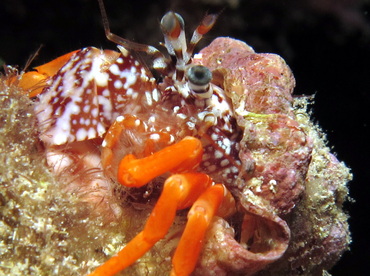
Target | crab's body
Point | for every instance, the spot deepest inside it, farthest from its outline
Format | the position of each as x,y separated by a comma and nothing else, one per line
181,128
164,111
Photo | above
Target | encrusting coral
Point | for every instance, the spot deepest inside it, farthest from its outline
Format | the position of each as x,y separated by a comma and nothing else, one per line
293,174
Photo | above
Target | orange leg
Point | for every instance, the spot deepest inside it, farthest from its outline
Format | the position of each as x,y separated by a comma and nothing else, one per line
182,156
179,191
119,139
35,81
199,218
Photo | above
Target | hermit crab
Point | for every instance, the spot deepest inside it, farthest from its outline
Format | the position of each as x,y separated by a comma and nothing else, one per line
214,134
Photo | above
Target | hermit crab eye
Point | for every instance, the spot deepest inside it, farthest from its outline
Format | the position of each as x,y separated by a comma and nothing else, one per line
199,75
172,23
199,78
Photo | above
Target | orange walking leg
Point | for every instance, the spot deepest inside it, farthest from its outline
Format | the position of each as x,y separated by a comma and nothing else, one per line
179,191
199,218
35,81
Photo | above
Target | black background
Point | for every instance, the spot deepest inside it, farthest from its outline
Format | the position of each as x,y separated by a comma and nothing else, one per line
325,42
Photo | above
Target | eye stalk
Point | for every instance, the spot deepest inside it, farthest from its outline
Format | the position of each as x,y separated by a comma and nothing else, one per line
172,25
199,78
